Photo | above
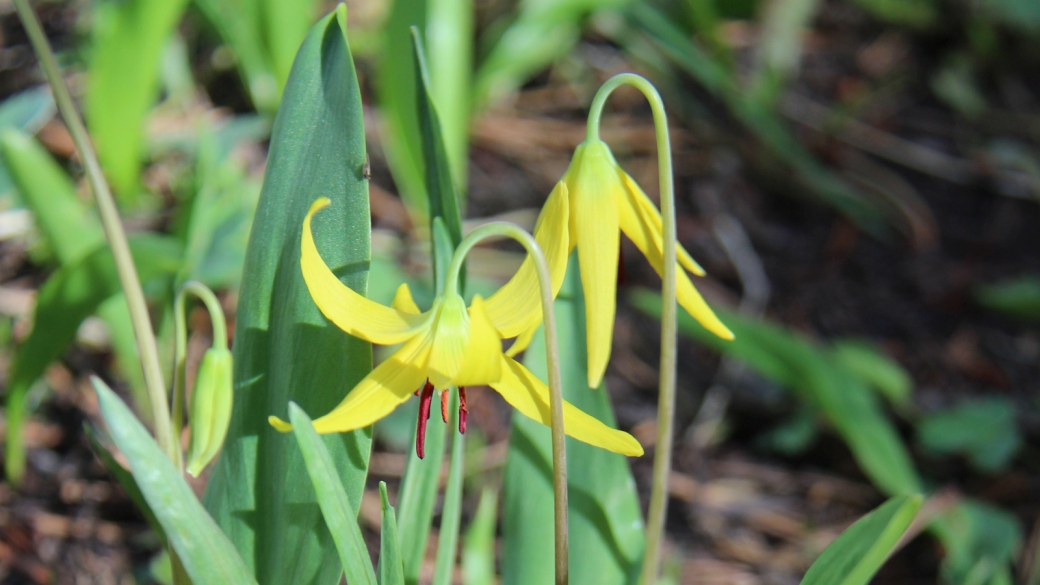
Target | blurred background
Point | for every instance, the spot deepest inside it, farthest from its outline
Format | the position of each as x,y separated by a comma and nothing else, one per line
859,178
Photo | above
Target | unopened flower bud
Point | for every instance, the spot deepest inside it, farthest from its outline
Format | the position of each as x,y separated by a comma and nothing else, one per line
210,411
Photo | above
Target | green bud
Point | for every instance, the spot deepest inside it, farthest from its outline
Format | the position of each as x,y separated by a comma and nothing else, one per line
210,410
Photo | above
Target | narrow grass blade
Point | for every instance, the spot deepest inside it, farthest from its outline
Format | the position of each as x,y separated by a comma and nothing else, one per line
451,513
391,571
128,40
859,552
336,507
449,43
238,22
606,525
478,548
285,24
285,350
207,555
68,297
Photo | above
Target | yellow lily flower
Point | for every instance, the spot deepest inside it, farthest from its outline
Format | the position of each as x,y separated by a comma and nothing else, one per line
449,345
602,199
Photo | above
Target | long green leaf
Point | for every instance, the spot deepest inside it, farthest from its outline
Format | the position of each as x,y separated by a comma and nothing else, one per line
478,548
811,373
391,571
72,229
451,513
239,23
128,41
606,525
336,507
205,552
123,476
859,552
285,350
68,297
27,111
285,25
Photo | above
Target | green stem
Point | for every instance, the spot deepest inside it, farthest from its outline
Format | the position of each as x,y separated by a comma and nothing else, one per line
552,360
180,327
666,392
110,221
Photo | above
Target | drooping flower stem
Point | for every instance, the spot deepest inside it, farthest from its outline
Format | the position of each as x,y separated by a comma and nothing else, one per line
131,285
180,327
552,360
666,392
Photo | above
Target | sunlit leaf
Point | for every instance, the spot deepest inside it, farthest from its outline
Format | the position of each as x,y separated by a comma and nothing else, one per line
204,551
284,349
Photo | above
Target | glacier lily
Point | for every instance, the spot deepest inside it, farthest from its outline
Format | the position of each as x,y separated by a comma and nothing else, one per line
449,345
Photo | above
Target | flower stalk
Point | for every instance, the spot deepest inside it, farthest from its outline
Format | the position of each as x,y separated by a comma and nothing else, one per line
552,360
114,233
666,385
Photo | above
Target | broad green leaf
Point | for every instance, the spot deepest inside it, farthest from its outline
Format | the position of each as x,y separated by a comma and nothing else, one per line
859,552
285,24
980,542
123,476
811,373
336,507
128,41
478,548
391,571
984,429
542,32
68,297
1019,298
70,227
285,350
207,555
447,26
27,111
876,369
606,524
71,230
239,24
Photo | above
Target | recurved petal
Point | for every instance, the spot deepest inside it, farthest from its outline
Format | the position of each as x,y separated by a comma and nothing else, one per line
644,227
482,364
646,235
594,193
450,331
403,300
350,311
385,387
517,306
530,396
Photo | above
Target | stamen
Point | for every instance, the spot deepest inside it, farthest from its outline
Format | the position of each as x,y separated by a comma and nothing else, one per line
444,405
621,264
424,415
463,411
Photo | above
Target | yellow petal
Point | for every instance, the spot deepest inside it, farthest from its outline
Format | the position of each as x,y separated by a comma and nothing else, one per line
651,229
639,226
385,387
350,311
522,341
403,300
450,331
517,306
594,190
530,396
482,364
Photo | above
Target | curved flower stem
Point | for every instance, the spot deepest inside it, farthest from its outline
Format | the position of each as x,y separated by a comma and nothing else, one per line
139,317
666,392
552,360
180,327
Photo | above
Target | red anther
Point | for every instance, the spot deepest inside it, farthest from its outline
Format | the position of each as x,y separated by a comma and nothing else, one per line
463,412
424,415
444,405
